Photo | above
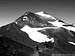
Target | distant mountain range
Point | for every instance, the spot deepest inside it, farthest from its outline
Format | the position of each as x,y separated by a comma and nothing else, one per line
37,31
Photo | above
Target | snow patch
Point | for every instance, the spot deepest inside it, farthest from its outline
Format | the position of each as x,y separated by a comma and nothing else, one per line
56,23
72,43
45,15
35,35
60,24
70,28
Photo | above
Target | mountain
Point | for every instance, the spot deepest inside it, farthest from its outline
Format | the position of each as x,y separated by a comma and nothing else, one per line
39,33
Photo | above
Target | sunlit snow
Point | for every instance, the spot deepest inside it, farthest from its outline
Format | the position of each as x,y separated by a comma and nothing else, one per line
39,37
56,23
35,35
60,24
72,43
45,15
70,28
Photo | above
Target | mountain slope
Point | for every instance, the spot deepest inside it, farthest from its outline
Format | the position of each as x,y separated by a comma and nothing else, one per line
59,36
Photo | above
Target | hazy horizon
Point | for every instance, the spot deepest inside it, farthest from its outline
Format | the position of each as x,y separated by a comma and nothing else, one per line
10,10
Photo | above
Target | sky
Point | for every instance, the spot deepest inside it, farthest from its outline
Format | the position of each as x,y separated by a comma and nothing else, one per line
10,10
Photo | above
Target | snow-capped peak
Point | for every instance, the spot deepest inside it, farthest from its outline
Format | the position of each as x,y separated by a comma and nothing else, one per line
38,36
45,15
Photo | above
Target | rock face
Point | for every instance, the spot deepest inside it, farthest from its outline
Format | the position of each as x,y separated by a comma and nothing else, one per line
37,34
